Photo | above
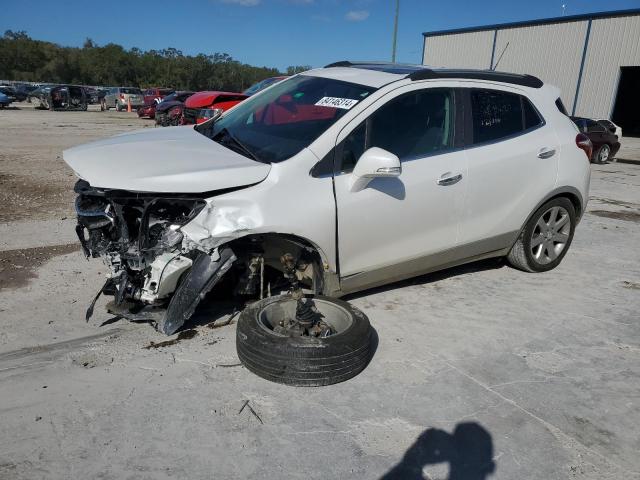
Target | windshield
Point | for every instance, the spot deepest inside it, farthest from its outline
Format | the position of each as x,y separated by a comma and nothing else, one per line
278,123
131,91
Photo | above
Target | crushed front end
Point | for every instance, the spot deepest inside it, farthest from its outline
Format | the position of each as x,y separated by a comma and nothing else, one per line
139,239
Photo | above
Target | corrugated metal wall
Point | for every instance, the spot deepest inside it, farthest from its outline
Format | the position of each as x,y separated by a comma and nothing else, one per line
468,50
552,52
613,43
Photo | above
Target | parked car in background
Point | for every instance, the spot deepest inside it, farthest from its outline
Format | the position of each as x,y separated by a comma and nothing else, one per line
23,90
605,143
5,99
156,95
169,111
7,96
202,106
147,111
392,185
119,98
612,127
256,87
59,97
94,95
12,91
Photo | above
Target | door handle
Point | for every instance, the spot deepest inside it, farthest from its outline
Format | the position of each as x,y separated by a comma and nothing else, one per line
447,179
546,152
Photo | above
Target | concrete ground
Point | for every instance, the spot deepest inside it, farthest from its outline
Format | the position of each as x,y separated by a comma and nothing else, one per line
480,371
629,150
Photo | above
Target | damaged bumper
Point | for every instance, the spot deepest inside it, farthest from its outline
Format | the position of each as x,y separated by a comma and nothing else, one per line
154,274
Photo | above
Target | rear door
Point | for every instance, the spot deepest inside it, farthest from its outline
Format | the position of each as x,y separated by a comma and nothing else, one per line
513,163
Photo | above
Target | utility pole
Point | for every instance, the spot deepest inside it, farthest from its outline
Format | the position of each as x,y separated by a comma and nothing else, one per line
395,32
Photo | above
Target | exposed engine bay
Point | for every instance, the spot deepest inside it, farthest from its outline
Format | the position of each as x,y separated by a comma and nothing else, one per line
158,275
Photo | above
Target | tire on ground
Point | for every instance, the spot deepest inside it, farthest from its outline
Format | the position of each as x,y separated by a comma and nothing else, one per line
520,256
304,361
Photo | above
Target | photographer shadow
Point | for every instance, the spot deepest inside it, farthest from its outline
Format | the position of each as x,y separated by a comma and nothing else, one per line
468,451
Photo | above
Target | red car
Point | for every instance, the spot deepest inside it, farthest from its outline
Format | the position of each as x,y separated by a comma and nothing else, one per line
147,110
201,106
156,94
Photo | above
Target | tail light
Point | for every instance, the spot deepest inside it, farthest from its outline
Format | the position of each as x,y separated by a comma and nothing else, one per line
122,96
584,144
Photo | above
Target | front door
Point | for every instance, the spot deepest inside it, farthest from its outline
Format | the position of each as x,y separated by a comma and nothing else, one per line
393,228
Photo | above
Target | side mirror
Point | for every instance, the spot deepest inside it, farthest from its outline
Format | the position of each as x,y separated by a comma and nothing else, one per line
374,163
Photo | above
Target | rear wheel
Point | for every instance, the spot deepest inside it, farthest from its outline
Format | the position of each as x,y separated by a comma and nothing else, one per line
603,154
546,237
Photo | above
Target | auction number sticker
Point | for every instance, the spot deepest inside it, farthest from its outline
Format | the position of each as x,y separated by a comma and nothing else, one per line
335,102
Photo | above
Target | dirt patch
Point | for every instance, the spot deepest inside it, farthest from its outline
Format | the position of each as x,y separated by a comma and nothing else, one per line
25,198
626,216
18,267
184,335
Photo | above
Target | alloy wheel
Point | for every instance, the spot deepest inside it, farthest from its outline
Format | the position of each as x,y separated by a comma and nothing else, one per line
550,235
603,155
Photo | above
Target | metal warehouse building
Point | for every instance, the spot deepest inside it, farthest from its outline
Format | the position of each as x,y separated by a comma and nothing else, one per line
593,58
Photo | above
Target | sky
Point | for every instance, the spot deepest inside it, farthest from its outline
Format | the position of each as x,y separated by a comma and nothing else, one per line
274,33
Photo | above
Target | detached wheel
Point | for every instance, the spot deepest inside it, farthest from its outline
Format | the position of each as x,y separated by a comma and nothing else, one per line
312,342
546,237
603,154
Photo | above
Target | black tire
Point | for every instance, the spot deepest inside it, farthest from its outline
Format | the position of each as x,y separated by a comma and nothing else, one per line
304,361
521,255
599,153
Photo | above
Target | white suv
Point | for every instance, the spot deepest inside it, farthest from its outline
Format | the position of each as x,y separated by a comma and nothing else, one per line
337,179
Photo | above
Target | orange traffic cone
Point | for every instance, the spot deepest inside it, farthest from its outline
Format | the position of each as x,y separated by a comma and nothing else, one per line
129,104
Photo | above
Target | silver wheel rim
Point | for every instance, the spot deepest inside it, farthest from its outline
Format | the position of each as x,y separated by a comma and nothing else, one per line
604,154
550,235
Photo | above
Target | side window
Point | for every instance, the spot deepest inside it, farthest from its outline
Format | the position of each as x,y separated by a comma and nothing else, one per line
561,106
496,115
594,126
353,147
531,117
415,124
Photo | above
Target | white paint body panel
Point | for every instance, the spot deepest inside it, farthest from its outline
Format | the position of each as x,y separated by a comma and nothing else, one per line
172,159
389,222
506,178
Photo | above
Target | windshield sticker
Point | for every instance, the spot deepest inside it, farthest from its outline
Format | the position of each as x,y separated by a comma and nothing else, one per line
335,102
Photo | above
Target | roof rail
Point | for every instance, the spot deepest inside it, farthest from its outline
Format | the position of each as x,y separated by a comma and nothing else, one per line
514,78
349,63
418,72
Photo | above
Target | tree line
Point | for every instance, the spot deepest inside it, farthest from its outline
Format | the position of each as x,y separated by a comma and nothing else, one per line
23,58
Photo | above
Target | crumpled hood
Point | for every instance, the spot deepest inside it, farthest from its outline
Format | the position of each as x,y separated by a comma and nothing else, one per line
171,160
205,99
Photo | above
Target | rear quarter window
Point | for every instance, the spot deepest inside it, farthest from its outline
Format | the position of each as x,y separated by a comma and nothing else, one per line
560,106
497,115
